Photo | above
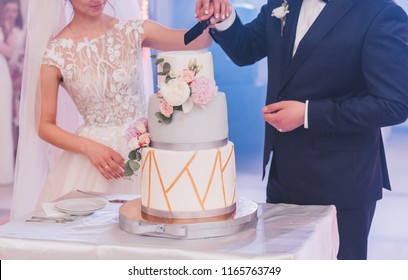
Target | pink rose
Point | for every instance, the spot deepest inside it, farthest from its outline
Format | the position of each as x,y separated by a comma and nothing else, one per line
203,91
187,75
144,140
166,109
136,128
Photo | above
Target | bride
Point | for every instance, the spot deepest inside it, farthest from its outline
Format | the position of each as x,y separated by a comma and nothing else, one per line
97,59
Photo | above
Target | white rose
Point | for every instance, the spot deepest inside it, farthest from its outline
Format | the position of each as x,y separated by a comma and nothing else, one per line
133,143
141,128
280,12
175,92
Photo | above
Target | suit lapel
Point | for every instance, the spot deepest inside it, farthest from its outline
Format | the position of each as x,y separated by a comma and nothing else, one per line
329,16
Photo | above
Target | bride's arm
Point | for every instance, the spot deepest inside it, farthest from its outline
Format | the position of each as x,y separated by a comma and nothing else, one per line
161,38
100,155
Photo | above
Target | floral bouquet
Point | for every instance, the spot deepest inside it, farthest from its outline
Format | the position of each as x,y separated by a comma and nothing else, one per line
138,137
181,91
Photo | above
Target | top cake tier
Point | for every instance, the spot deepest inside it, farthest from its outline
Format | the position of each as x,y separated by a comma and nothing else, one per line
188,113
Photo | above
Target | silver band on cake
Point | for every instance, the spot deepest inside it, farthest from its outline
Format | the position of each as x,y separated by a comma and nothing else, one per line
189,146
189,215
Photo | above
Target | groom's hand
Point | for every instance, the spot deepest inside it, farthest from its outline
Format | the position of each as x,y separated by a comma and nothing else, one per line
285,116
217,10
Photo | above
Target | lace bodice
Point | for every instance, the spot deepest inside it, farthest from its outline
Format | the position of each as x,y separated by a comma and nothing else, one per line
103,75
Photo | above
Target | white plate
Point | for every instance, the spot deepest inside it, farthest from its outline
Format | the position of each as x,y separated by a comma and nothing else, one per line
80,206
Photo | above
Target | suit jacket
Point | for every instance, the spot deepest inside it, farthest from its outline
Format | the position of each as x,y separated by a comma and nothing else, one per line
352,66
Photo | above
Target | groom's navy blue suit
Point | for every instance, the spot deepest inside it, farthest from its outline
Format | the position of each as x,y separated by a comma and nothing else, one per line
352,66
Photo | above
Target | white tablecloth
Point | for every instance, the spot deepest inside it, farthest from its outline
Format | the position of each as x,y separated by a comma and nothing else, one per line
283,231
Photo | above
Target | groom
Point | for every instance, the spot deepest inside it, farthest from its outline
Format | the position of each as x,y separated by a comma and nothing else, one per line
337,73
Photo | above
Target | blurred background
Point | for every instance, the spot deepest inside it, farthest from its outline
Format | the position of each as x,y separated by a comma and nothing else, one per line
245,88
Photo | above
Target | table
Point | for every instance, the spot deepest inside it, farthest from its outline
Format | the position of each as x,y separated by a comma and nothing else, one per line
283,231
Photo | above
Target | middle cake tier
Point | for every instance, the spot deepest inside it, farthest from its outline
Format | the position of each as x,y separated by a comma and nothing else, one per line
201,128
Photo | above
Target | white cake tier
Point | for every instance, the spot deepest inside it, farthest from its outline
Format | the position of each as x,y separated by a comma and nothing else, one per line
189,184
179,61
201,128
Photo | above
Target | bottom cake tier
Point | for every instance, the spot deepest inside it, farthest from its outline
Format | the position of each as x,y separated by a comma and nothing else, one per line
188,184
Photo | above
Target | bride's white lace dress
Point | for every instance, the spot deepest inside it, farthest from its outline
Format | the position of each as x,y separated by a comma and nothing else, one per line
103,76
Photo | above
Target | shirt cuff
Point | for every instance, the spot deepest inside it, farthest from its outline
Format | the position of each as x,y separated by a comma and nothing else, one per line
225,24
306,119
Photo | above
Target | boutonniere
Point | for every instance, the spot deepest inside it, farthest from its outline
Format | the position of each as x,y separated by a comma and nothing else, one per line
280,13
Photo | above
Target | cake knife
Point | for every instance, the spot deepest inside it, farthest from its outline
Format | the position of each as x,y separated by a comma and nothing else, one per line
196,31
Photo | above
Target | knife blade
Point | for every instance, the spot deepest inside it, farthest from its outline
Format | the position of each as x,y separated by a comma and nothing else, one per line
196,31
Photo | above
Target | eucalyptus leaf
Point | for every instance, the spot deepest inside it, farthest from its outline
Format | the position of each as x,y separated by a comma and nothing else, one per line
132,155
138,156
128,172
134,165
168,78
162,118
166,67
160,60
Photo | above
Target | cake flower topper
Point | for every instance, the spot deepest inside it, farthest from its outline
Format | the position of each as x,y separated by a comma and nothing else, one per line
280,13
138,137
181,91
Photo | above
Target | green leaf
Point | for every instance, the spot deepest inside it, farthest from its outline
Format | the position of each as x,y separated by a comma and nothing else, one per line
134,165
166,67
138,156
162,118
132,155
178,108
160,60
168,120
168,78
159,115
128,171
153,56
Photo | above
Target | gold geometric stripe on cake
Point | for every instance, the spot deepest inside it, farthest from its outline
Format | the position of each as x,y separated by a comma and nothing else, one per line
229,158
222,182
181,172
217,155
161,182
225,166
148,159
195,189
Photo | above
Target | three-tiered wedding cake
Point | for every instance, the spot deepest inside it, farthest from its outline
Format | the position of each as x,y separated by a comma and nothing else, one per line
189,170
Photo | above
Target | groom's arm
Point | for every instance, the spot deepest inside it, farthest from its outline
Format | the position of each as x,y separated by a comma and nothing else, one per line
218,10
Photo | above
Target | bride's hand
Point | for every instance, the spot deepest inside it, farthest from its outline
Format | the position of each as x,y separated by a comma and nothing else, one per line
108,162
218,10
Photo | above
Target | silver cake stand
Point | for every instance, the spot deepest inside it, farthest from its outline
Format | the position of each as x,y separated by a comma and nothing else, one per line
132,220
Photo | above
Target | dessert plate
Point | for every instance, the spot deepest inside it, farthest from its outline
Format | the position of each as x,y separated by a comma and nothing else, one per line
80,206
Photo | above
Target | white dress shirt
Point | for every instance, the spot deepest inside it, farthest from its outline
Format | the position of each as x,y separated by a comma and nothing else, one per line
309,11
